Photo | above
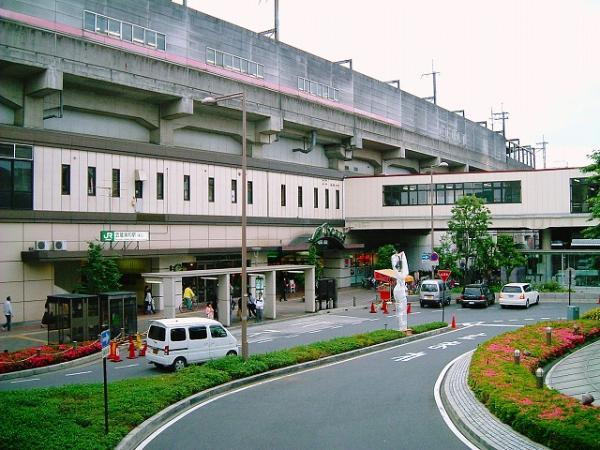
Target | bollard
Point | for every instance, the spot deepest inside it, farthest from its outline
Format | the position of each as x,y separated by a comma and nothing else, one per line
587,399
548,335
75,345
385,325
539,376
354,301
517,356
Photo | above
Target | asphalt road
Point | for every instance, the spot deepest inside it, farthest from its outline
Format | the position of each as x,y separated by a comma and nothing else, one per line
310,328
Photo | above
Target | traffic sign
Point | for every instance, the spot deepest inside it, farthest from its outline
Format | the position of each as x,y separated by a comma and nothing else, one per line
424,256
105,342
444,274
434,257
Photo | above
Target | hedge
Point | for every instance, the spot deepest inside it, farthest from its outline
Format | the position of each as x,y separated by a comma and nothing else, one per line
73,416
593,314
509,391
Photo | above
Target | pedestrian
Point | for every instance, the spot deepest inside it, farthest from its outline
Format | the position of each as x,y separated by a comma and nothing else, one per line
284,288
188,295
239,308
7,313
260,305
210,312
251,304
148,300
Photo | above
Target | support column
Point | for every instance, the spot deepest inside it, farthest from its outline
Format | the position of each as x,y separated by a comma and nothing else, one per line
224,303
270,298
172,295
309,290
547,258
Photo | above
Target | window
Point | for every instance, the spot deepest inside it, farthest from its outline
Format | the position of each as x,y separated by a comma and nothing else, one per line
234,62
138,34
326,198
186,188
217,331
16,176
581,191
126,32
89,21
197,333
160,186
211,189
337,199
91,181
233,191
283,199
116,183
157,333
139,189
317,89
250,193
316,197
300,197
65,179
177,334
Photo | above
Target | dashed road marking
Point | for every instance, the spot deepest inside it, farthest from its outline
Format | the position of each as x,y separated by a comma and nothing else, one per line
544,318
315,331
25,381
126,367
513,320
337,326
77,373
291,336
529,319
498,321
260,341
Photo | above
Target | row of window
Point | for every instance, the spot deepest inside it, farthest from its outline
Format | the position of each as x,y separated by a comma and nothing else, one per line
125,31
318,89
449,193
300,197
233,62
16,176
582,189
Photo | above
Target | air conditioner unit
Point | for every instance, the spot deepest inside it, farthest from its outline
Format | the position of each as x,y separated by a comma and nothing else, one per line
43,245
60,245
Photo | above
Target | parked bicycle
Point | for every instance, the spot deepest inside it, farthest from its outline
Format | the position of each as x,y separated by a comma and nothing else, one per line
189,305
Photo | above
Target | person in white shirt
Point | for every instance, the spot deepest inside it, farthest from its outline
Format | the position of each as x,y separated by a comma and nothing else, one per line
260,305
7,313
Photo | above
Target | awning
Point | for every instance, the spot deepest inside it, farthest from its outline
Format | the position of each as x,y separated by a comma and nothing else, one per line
387,275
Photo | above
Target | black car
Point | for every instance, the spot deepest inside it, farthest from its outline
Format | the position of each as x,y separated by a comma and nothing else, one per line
476,294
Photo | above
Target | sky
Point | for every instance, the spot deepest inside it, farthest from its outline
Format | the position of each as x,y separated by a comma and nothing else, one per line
538,60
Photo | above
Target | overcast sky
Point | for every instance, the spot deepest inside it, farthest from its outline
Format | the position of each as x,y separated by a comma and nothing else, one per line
539,59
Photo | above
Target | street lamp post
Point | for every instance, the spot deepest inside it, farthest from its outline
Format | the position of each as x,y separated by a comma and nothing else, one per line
212,101
442,164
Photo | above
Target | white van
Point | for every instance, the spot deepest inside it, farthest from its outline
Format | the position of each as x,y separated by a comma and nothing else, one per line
178,342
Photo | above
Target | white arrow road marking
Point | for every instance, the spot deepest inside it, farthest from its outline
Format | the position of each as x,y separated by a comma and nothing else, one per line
271,331
77,373
470,337
24,381
126,367
337,326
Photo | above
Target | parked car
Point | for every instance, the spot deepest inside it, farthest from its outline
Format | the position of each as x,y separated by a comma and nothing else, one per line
430,293
176,343
476,294
518,294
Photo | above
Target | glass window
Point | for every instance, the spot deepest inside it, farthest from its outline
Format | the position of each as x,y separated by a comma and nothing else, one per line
236,63
233,191
337,199
89,21
300,200
114,27
211,189
260,71
316,197
219,59
6,183
23,152
23,184
139,189
326,198
186,188
161,42
116,183
91,181
250,193
65,179
177,334
101,24
412,196
210,55
283,196
160,186
244,67
150,38
252,69
157,333
217,331
138,34
126,32
197,333
227,60
300,84
7,150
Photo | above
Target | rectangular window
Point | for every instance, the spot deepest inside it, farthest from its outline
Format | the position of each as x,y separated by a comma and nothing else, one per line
138,34
234,63
116,183
283,195
161,41
186,188
65,179
89,21
123,30
16,176
337,199
101,24
197,333
160,186
300,200
114,27
211,189
250,193
316,197
91,181
150,38
139,189
126,31
233,191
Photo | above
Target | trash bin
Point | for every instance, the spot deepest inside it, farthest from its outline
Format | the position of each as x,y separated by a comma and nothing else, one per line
572,312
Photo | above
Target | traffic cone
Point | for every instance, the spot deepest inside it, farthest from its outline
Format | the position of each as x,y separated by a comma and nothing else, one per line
599,299
111,353
453,321
373,308
131,349
409,308
117,357
142,351
384,307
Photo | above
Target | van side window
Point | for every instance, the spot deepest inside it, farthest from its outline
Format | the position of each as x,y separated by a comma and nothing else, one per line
197,333
177,334
217,331
156,333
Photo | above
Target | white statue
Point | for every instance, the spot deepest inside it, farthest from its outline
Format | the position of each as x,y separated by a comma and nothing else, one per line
400,267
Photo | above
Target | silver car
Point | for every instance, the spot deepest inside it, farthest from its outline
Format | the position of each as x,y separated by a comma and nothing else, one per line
431,292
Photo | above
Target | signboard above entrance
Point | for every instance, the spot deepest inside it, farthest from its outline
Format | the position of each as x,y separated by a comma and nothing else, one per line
124,236
326,231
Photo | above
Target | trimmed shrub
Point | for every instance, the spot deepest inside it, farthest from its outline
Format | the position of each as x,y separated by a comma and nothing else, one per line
592,314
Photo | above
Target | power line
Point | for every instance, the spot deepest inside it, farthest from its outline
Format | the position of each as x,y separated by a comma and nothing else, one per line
434,74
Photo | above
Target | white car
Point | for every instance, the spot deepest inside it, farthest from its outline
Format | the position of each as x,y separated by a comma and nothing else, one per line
518,294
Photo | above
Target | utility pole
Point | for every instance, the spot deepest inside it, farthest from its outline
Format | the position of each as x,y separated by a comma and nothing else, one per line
434,74
542,148
503,116
273,31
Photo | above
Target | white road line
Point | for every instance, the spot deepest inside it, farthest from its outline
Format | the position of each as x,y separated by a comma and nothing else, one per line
499,325
126,367
529,319
271,331
337,326
77,373
314,331
544,318
260,341
513,320
25,381
291,336
498,321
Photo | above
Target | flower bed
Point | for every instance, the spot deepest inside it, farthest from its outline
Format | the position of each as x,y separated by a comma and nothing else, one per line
45,355
510,392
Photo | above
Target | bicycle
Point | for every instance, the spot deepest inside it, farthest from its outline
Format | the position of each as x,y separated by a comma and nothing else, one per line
193,305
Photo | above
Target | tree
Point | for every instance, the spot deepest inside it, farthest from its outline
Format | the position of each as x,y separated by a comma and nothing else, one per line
468,231
314,259
99,274
593,196
384,257
508,255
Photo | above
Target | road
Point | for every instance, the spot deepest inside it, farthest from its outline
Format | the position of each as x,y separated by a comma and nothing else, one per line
310,328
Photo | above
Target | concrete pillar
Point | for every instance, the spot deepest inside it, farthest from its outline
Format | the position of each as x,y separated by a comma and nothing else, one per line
31,115
334,267
547,258
309,290
224,302
270,297
171,295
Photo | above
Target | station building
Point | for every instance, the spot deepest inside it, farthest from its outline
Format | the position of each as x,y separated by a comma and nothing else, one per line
104,133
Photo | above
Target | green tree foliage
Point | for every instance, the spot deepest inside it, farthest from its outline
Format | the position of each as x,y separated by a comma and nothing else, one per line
314,259
593,200
448,257
384,257
99,274
508,255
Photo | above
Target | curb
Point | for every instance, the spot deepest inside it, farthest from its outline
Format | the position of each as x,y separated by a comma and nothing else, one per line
52,368
150,425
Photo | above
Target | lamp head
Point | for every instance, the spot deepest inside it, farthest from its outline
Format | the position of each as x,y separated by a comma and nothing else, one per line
209,101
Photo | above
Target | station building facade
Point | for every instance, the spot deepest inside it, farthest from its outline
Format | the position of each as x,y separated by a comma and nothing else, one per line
103,129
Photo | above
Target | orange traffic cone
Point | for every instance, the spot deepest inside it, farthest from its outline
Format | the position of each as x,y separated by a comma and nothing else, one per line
111,353
384,307
143,350
409,308
453,321
599,299
373,308
117,357
131,349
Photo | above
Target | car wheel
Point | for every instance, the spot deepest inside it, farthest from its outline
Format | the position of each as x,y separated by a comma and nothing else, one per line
503,306
526,303
231,353
462,305
178,364
421,303
537,300
159,366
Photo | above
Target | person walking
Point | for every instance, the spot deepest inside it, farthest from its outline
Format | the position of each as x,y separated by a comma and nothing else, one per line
251,305
260,305
210,312
188,295
148,300
7,313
